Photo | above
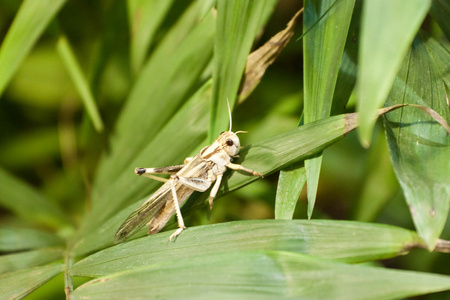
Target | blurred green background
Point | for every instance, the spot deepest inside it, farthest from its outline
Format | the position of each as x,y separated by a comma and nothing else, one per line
47,139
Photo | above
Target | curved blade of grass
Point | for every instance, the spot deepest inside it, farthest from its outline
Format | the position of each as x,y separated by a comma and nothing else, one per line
387,30
17,285
261,275
420,147
167,79
345,241
29,204
17,239
322,50
73,68
238,23
31,20
145,16
29,259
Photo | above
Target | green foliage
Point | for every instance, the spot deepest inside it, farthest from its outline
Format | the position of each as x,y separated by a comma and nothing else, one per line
91,90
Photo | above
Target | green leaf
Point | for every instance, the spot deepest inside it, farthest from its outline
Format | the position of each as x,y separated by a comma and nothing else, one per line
290,185
168,78
145,16
29,259
387,30
29,23
16,239
322,47
238,23
261,275
321,238
72,66
420,147
440,10
27,203
17,285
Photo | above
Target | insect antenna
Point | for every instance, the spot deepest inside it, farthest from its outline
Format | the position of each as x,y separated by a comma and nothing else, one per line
229,113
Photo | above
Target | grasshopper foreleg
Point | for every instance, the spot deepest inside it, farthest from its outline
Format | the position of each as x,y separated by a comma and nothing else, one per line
242,168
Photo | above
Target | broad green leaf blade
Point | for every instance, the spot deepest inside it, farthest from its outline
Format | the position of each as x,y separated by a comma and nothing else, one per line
290,185
31,20
261,275
387,30
17,261
321,238
82,86
28,203
322,47
17,239
420,147
440,10
283,150
238,23
17,285
185,132
145,17
168,78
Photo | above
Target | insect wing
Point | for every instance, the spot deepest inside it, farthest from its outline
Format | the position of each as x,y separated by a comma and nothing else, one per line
142,215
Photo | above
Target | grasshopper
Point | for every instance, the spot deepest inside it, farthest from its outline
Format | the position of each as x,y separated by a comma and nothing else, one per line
197,173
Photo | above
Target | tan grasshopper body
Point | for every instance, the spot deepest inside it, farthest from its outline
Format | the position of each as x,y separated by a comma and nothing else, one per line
197,174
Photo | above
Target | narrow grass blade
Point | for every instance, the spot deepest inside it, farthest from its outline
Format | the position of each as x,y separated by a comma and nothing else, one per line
290,185
322,48
145,17
322,238
73,68
31,20
420,146
29,204
387,30
18,261
17,239
17,285
261,275
238,23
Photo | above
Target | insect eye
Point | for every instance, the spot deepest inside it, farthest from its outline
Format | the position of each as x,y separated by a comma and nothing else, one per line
230,142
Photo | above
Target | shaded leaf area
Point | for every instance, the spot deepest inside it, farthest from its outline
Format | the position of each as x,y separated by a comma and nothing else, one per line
16,285
260,275
17,239
237,23
440,10
387,30
145,17
420,146
28,203
266,157
29,23
322,238
29,259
